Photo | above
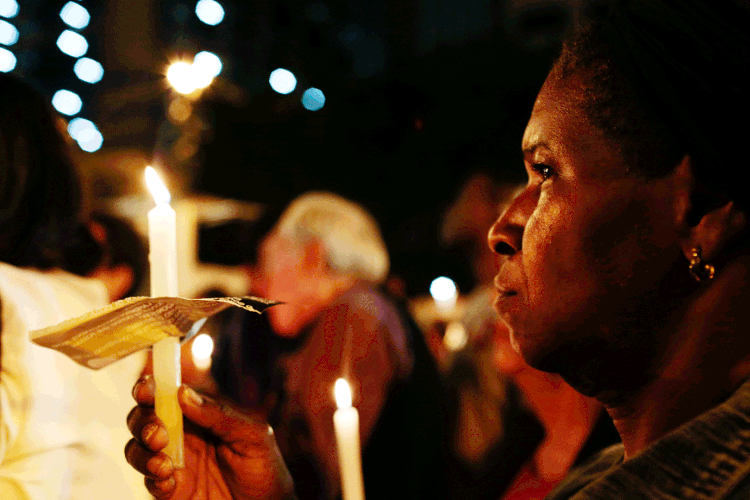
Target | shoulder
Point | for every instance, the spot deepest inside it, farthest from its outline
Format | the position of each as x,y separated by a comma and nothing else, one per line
589,471
43,298
365,308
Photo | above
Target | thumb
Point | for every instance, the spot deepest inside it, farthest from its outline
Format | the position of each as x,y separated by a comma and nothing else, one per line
222,420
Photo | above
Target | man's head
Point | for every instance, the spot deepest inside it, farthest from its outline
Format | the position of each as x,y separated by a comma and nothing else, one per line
320,246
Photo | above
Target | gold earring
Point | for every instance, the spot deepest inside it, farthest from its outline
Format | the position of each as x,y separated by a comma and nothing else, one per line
700,270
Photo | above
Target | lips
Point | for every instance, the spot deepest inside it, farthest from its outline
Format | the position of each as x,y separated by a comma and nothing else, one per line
504,289
504,302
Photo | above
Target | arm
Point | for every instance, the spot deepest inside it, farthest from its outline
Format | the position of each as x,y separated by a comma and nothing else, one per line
11,378
228,454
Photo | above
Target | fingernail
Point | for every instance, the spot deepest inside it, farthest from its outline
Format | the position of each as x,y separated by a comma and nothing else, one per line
138,385
193,396
159,467
148,431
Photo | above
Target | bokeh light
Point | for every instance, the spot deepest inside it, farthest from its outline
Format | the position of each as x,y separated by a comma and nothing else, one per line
181,77
443,288
179,110
67,102
455,337
209,11
313,99
282,81
8,8
90,140
75,15
88,70
208,62
202,348
72,43
7,60
8,33
78,125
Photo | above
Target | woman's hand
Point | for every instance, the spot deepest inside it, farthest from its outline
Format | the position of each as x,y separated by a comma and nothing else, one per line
228,454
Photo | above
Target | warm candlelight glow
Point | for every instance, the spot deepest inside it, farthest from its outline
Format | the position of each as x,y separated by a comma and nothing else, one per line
182,77
343,394
346,427
162,255
157,188
202,349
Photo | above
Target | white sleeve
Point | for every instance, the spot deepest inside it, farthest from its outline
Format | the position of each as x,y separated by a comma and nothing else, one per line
12,377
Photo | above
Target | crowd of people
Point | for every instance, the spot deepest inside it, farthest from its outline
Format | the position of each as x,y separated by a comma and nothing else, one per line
607,354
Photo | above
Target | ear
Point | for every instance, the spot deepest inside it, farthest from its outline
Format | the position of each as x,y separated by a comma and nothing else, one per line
715,221
314,258
117,280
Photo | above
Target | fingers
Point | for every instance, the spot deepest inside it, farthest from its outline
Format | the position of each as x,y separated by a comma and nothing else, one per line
146,428
222,420
152,464
160,488
144,390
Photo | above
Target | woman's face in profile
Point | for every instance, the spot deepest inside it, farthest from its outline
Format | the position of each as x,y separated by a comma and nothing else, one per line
587,246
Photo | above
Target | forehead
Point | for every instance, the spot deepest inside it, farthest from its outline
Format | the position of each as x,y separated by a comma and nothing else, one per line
276,243
558,127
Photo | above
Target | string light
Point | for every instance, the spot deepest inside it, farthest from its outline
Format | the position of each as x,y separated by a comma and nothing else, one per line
67,102
7,60
8,8
72,43
210,12
8,33
313,99
282,81
75,15
88,70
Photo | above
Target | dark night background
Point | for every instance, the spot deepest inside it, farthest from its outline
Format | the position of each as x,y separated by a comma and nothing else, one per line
419,94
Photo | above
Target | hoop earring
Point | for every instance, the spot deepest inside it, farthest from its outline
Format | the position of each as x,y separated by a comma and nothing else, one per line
699,270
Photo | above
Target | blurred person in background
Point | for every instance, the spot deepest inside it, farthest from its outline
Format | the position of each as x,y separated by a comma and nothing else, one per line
325,260
60,423
124,264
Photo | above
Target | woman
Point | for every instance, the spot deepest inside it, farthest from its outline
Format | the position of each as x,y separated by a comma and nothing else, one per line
58,421
623,261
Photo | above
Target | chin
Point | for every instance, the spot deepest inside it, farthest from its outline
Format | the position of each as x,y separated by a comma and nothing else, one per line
532,350
283,324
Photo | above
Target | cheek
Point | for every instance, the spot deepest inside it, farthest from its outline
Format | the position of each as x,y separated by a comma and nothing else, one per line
552,254
579,247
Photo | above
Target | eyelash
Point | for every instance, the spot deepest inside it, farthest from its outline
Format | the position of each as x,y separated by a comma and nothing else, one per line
545,171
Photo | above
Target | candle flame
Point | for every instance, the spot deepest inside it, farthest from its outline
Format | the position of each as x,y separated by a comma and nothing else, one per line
157,188
343,394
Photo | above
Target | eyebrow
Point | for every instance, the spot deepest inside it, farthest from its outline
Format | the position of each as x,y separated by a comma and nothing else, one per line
530,149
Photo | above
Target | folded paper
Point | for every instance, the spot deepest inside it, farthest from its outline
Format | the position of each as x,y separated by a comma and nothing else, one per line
105,335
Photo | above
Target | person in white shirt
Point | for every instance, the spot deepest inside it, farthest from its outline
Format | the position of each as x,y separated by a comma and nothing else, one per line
60,424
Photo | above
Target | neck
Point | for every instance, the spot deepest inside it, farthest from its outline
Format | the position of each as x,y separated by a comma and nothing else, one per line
707,356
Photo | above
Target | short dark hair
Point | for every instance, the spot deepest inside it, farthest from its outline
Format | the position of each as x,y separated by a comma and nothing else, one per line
40,192
665,78
617,107
124,245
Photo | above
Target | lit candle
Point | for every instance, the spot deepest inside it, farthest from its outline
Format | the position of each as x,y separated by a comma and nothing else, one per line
346,425
162,240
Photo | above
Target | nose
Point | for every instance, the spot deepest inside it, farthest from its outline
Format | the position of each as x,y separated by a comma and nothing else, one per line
506,233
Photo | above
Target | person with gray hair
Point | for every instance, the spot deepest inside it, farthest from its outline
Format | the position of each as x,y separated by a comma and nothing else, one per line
325,259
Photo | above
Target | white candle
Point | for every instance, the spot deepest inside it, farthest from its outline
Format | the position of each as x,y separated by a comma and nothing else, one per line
162,240
346,425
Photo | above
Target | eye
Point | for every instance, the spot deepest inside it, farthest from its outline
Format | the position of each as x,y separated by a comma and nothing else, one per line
544,171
